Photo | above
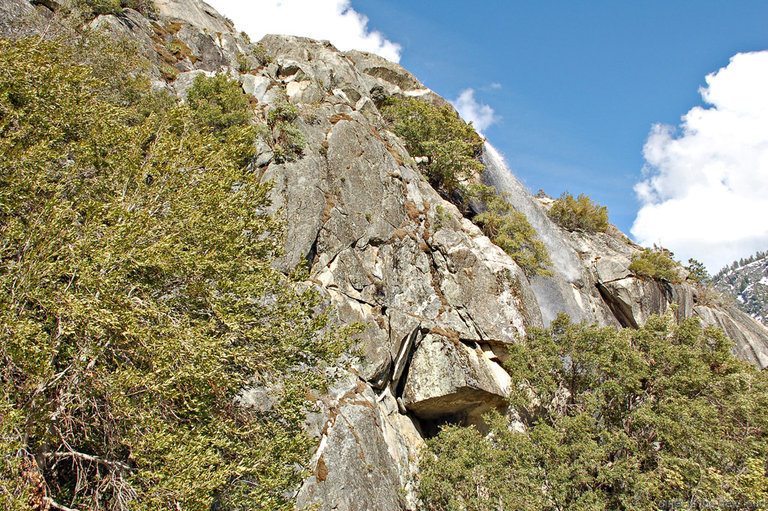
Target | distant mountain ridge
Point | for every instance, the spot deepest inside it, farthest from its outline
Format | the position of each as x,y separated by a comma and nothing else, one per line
747,281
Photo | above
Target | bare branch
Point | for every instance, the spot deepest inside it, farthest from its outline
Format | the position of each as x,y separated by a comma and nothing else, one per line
88,457
55,505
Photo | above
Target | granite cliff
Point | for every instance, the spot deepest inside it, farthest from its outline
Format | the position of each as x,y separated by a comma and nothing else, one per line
439,302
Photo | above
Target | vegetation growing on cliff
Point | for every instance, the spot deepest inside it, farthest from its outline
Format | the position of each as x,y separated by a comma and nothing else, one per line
636,419
98,7
286,139
580,213
137,298
656,263
450,145
510,230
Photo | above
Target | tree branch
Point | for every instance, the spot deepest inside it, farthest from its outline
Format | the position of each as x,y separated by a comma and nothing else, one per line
55,505
88,457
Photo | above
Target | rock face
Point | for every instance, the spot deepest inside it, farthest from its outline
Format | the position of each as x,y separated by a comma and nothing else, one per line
195,12
449,380
592,281
438,301
20,17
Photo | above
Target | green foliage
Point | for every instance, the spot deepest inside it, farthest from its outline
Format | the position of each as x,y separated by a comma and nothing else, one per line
145,7
579,213
261,54
656,263
282,112
219,104
697,272
613,420
99,7
288,142
137,298
243,64
256,56
451,145
510,230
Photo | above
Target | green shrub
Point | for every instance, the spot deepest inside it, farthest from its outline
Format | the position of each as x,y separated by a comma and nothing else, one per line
255,52
243,64
219,104
137,296
282,112
656,264
510,230
145,7
100,7
261,54
579,213
168,72
451,145
288,143
631,419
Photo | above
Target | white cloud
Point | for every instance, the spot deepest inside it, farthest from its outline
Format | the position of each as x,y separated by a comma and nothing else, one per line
706,189
495,85
334,20
480,115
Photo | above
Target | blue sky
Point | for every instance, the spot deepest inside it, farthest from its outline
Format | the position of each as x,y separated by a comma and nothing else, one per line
581,82
575,86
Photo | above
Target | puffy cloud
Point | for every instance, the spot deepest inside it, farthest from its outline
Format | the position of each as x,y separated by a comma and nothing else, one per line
705,192
334,20
470,110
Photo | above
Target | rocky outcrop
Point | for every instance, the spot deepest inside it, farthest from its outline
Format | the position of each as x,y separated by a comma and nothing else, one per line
196,13
19,18
632,299
748,335
367,455
393,256
448,380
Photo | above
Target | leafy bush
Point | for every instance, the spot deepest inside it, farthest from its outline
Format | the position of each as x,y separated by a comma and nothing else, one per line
510,230
145,7
137,297
288,142
99,7
579,213
219,104
282,112
633,419
256,56
656,264
451,145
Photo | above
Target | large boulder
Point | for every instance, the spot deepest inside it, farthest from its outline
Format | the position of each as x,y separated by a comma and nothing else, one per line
449,380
